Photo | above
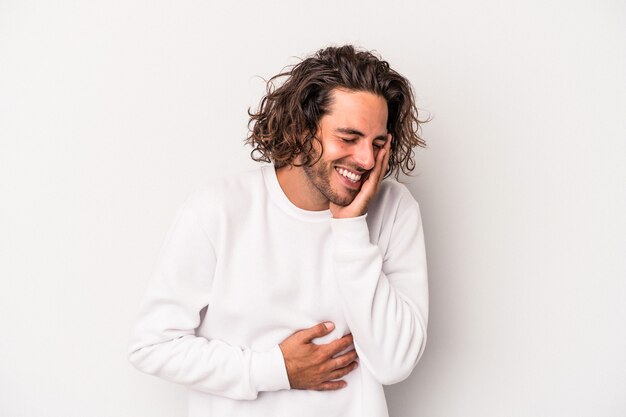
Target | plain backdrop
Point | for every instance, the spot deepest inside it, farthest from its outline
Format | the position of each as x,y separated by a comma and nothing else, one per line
111,113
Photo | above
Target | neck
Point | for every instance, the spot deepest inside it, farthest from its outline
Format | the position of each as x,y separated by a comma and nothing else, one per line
299,189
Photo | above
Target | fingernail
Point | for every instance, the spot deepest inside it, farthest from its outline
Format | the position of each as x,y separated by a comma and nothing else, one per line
329,325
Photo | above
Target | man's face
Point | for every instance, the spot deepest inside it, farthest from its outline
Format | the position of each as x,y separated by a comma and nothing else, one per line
351,134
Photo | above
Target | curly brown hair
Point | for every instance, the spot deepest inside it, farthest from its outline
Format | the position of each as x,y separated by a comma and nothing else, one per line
288,116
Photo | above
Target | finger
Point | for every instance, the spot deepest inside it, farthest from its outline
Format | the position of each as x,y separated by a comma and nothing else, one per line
330,386
343,360
384,159
341,372
339,345
318,330
378,172
383,156
383,169
386,156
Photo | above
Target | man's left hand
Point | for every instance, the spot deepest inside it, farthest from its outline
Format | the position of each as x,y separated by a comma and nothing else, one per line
368,190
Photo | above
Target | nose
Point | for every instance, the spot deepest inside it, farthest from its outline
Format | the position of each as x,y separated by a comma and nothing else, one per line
364,155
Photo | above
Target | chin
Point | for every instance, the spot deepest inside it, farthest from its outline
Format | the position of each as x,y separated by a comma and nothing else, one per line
342,199
329,186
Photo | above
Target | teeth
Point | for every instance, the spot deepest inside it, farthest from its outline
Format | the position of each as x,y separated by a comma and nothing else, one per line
349,175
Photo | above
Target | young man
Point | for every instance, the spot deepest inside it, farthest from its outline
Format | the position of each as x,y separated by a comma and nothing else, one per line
299,289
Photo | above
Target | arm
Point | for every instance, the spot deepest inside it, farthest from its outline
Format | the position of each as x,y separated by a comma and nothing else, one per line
163,340
385,296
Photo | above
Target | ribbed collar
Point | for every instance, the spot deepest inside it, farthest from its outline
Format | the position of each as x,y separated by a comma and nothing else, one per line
280,199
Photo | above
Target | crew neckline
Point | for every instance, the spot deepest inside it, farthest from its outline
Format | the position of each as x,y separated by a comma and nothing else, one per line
280,199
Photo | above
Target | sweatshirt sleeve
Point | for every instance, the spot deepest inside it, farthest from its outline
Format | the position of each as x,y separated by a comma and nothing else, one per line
385,296
163,340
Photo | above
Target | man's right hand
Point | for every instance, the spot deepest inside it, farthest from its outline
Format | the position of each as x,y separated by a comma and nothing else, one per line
317,367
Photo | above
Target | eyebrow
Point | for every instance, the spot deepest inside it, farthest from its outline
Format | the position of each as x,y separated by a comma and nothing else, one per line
350,131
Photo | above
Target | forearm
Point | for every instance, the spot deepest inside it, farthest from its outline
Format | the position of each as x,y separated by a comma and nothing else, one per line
164,343
385,299
212,366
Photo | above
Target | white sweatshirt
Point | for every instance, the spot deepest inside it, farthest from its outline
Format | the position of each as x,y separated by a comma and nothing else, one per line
242,268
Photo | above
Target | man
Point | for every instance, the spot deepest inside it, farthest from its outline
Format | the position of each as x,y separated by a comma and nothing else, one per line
299,289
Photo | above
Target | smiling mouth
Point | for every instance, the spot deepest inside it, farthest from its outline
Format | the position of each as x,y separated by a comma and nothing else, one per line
349,175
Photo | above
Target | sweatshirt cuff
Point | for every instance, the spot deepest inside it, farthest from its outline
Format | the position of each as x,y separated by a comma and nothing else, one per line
350,233
268,372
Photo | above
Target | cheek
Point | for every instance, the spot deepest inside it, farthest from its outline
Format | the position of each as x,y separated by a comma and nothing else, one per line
334,151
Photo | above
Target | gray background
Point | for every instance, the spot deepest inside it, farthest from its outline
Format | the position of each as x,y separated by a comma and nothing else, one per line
111,113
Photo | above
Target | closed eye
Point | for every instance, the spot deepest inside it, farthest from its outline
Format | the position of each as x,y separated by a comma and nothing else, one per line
348,140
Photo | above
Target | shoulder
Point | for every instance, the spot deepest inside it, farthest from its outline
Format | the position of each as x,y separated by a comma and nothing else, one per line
393,203
393,195
225,197
393,215
232,189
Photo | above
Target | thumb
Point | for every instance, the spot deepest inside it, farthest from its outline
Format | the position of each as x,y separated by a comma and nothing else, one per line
318,330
